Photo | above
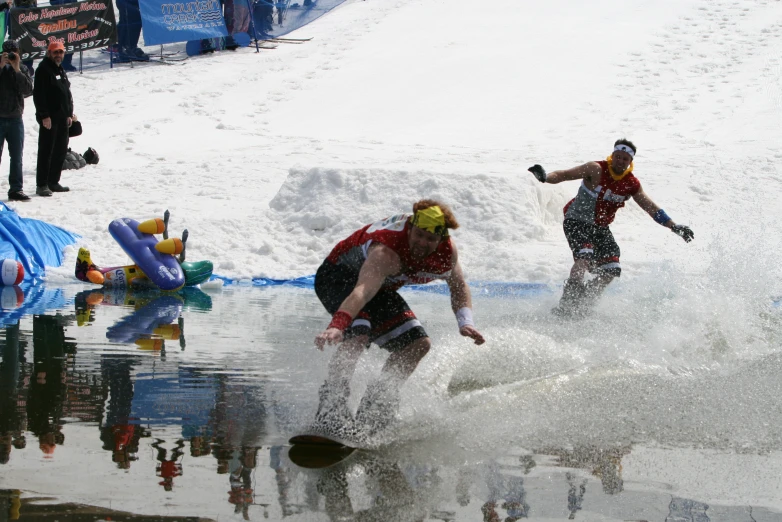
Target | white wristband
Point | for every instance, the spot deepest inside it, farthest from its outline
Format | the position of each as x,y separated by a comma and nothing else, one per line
464,317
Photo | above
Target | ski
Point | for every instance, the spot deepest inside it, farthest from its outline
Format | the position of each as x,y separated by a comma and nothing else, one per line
290,40
262,46
168,61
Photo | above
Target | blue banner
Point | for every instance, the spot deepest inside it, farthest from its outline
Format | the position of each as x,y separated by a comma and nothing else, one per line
274,18
169,21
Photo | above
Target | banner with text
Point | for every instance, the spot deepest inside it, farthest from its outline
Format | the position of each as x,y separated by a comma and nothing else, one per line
80,26
169,21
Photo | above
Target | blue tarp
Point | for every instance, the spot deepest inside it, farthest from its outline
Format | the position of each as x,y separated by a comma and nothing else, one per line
479,288
36,244
276,18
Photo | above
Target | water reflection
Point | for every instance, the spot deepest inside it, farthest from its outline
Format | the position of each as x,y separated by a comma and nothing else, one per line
199,428
13,393
120,432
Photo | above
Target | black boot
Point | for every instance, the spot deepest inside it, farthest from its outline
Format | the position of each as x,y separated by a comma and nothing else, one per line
378,407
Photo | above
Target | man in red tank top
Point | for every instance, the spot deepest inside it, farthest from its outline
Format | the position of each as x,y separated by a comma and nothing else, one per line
605,187
358,283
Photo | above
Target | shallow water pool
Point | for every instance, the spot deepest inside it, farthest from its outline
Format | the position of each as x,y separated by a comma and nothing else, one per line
133,406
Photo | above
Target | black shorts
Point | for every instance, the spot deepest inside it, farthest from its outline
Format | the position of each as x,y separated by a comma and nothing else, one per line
386,318
595,244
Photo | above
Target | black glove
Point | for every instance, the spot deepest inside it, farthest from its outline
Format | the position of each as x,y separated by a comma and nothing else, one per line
539,172
684,231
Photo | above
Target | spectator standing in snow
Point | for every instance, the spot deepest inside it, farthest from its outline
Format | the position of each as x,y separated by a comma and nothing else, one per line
15,85
54,113
129,31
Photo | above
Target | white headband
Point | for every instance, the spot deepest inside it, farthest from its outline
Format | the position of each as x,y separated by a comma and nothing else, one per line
624,148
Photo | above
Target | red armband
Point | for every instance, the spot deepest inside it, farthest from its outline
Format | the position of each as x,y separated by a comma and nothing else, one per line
341,320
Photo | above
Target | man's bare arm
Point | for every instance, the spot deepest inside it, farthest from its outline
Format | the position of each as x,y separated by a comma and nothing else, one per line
590,170
659,215
461,303
649,206
381,262
460,292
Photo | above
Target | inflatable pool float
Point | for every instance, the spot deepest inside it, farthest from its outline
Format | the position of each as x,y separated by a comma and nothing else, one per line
156,264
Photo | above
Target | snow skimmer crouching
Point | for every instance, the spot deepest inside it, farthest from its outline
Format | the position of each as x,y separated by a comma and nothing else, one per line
357,284
605,187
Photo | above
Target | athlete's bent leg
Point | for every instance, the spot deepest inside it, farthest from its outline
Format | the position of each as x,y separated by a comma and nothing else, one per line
574,289
403,363
334,393
381,400
579,268
594,288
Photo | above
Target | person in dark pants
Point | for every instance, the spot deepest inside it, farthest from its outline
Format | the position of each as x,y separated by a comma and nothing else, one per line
357,283
54,112
605,187
129,31
15,85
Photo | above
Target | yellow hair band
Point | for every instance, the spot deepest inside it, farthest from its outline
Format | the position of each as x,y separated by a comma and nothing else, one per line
430,219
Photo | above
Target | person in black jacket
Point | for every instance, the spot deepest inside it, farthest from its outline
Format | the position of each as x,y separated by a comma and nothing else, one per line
15,85
54,112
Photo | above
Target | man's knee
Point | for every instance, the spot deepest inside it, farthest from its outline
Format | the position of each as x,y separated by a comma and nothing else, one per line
608,269
420,347
355,344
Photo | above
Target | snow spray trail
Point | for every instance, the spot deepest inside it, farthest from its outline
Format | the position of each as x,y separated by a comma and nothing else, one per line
670,358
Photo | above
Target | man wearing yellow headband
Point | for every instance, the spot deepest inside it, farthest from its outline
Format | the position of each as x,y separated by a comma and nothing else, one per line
605,187
358,283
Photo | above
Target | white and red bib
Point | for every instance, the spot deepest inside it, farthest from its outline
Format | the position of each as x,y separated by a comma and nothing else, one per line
393,233
599,206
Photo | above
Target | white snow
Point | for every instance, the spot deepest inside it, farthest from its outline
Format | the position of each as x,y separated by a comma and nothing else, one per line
269,159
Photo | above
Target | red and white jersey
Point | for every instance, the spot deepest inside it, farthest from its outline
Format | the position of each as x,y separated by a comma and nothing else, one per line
392,232
599,206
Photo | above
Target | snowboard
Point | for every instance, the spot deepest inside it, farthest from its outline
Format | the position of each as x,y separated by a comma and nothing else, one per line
317,451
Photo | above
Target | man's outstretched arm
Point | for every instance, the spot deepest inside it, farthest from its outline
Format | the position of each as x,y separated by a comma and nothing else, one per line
590,170
461,304
659,215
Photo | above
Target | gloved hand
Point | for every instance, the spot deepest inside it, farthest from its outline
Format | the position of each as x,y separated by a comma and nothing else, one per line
684,231
539,172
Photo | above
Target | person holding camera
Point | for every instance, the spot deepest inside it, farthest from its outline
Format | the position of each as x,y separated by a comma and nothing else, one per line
15,85
54,112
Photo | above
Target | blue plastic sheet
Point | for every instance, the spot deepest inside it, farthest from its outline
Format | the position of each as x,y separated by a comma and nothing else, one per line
271,19
479,288
36,244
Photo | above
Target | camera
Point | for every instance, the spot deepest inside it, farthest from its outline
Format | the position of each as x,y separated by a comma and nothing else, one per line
12,48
